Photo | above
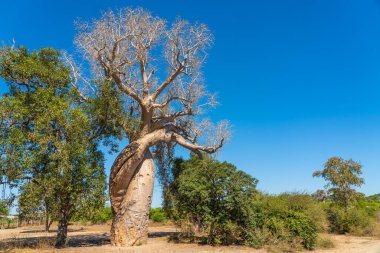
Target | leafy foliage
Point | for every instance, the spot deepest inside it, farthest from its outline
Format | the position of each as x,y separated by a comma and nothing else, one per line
157,215
370,204
216,198
103,215
293,219
342,176
355,220
35,200
212,195
375,197
4,208
47,138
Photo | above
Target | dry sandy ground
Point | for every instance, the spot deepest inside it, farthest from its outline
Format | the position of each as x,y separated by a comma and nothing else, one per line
352,244
94,239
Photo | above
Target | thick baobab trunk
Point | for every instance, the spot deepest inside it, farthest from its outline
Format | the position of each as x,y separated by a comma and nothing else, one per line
131,199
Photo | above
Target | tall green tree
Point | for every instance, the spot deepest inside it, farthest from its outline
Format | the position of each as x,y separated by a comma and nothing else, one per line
342,177
48,137
213,195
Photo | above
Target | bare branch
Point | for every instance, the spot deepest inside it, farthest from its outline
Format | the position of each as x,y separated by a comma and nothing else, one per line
120,47
76,77
168,80
195,147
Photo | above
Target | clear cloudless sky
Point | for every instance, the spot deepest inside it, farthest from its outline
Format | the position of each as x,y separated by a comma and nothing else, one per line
299,80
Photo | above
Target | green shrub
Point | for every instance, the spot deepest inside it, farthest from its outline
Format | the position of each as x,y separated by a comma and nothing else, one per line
217,199
213,196
354,220
157,215
306,204
370,205
102,216
4,207
300,225
7,223
284,220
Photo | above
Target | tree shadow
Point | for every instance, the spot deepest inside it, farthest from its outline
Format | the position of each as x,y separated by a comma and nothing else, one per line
37,242
37,231
75,241
50,231
90,240
162,234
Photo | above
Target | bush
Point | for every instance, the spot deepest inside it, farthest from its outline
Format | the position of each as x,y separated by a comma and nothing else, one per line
218,200
370,205
102,216
306,204
355,221
7,223
157,215
4,207
284,220
213,197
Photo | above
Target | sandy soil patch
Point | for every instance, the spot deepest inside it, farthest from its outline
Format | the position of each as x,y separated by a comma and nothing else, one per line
94,239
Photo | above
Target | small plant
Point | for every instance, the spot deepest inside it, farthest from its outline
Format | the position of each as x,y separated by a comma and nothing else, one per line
325,243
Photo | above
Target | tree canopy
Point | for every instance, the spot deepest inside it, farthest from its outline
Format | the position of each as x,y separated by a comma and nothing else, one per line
212,195
342,177
47,137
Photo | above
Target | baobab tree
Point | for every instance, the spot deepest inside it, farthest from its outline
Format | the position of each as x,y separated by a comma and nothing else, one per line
153,72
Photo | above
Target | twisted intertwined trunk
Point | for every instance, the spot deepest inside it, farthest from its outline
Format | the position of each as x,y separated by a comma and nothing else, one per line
131,185
131,189
164,109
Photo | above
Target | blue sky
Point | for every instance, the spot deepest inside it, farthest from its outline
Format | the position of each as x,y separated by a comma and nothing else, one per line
299,80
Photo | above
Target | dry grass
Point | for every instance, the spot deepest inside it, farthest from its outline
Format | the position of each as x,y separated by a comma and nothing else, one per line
376,231
17,244
325,242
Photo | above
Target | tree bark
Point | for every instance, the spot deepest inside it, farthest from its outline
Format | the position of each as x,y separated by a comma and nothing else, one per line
62,229
131,201
47,222
131,186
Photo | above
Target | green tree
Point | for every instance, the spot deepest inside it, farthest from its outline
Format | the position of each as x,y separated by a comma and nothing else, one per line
4,208
213,195
36,198
342,177
48,137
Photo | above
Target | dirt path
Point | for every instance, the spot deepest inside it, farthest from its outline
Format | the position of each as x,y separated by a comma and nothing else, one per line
351,244
94,239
